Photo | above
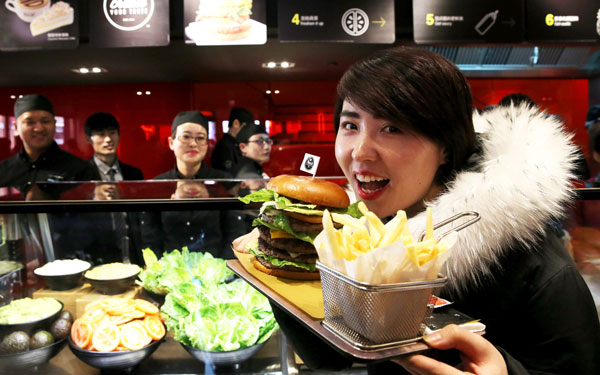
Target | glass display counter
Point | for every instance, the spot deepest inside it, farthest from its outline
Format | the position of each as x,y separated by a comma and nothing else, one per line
103,222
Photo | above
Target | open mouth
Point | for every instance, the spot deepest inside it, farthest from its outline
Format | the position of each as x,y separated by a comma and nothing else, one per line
371,184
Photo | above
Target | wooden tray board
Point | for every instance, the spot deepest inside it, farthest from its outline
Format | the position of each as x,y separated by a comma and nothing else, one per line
67,297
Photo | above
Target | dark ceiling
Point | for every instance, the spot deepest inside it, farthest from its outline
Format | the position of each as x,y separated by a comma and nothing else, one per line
313,61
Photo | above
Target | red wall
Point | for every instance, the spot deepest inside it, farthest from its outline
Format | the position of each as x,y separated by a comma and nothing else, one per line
303,110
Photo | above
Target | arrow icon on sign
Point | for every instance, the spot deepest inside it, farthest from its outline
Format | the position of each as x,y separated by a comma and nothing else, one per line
510,22
381,21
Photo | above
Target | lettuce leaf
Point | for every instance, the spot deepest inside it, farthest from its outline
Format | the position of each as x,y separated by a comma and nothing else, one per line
221,317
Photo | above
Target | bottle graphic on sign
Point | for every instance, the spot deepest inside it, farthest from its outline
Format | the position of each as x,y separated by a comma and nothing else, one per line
486,22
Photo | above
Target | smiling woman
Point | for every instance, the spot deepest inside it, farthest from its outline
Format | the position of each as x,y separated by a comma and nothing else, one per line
406,141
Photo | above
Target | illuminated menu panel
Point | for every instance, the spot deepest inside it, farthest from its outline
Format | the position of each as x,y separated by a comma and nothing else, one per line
442,21
337,21
563,21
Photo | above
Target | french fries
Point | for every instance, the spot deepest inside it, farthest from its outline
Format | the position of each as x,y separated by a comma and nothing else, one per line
359,236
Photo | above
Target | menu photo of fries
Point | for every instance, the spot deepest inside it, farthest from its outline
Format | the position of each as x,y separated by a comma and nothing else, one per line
371,252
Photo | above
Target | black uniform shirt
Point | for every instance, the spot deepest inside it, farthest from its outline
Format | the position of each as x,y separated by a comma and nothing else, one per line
53,165
226,154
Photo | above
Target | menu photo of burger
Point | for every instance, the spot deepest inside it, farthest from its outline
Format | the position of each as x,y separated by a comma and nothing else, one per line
222,22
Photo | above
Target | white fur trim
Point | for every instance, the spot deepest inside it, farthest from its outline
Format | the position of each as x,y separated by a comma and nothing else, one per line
520,185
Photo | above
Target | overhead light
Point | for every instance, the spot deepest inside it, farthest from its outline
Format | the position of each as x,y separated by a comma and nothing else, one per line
148,92
268,91
139,93
276,91
13,96
86,70
283,65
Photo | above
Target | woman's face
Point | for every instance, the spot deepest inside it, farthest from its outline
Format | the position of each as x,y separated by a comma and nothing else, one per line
388,167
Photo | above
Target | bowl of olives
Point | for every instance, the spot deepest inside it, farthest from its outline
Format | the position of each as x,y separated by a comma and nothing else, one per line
34,347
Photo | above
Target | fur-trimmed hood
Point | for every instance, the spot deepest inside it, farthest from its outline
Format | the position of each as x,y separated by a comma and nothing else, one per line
519,185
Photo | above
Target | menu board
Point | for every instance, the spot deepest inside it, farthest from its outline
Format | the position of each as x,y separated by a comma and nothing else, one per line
38,24
441,21
563,21
129,23
225,22
337,21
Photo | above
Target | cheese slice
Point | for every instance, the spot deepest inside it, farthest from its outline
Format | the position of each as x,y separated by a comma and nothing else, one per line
280,234
58,15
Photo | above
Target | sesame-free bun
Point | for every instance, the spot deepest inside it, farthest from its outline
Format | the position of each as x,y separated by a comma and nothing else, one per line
310,190
278,272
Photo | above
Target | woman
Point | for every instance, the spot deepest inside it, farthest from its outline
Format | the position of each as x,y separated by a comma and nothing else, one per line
406,140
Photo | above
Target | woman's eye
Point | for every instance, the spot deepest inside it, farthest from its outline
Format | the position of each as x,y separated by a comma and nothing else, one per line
392,129
349,126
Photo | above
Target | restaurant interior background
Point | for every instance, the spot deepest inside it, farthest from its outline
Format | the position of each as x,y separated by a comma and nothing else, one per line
145,87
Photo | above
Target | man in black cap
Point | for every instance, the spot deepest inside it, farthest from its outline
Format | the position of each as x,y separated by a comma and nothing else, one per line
103,133
40,160
226,153
200,230
255,147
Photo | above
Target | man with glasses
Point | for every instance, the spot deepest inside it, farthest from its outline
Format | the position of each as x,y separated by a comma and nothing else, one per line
255,146
200,230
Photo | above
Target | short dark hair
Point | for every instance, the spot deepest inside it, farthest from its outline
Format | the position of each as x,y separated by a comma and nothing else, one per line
516,99
242,115
418,89
596,145
100,121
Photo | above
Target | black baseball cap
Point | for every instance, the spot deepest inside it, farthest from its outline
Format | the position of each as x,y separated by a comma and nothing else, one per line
248,131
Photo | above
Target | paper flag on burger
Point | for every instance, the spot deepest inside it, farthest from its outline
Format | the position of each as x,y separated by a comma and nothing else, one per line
310,164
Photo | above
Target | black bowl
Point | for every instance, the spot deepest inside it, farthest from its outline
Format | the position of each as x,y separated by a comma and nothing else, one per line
115,361
30,327
63,282
224,358
156,297
113,286
33,357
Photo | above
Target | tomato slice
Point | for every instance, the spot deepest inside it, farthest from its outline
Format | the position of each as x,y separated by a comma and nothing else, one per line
135,314
154,326
134,336
106,337
93,316
146,306
81,333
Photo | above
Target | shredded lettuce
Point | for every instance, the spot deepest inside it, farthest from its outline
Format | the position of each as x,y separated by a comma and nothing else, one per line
222,317
175,267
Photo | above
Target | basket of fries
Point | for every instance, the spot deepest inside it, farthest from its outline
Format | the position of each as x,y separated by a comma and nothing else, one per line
377,280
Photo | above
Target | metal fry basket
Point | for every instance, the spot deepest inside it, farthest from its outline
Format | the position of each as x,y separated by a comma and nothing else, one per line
372,317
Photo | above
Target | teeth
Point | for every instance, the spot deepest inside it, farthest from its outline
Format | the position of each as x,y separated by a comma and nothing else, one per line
364,178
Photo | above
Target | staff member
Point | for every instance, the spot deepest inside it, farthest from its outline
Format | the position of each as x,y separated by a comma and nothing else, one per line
206,231
226,154
102,131
255,146
40,159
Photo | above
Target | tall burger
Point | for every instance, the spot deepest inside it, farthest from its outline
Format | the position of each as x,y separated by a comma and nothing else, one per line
224,19
289,220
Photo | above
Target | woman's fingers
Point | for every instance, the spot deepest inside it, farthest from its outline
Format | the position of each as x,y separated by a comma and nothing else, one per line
471,345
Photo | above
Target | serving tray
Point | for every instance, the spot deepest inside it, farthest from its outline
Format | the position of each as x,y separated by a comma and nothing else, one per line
302,300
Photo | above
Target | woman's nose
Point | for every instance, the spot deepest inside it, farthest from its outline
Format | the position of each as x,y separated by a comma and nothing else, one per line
364,149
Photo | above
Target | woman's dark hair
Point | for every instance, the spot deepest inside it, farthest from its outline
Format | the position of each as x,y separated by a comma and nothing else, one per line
420,90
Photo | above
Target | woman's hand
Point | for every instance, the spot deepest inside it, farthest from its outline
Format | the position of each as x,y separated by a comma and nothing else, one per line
240,243
478,355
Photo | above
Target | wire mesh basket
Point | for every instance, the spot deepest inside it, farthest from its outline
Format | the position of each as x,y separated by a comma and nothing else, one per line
375,317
